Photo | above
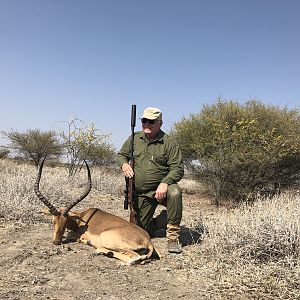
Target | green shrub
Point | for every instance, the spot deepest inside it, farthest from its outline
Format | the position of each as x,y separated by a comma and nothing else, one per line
238,150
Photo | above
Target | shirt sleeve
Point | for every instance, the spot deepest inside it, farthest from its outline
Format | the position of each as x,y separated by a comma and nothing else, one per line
175,163
123,155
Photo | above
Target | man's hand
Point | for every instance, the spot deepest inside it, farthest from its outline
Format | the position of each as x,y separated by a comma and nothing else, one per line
127,170
161,192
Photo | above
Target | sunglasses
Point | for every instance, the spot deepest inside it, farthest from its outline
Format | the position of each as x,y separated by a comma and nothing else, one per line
144,121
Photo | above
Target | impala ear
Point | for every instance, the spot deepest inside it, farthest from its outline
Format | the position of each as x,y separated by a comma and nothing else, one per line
46,212
74,214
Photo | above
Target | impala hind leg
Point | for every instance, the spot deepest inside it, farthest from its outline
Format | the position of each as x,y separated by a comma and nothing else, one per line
104,251
128,257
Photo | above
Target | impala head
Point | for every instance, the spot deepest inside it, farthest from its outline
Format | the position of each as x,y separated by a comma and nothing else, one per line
61,218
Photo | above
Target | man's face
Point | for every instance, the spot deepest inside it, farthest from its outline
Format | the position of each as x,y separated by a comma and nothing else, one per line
151,127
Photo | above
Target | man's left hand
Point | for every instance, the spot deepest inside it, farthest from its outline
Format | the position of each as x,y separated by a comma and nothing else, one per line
161,192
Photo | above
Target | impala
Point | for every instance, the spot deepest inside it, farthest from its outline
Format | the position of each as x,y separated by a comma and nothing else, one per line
109,234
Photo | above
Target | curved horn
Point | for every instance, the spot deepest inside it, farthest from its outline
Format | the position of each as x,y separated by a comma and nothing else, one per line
52,209
87,191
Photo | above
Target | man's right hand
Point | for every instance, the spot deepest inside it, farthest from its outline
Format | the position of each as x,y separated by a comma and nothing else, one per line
127,170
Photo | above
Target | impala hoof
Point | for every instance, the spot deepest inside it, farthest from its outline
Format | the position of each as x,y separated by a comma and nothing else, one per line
57,242
109,254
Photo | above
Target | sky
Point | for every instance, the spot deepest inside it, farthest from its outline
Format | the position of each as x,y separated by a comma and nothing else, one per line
93,59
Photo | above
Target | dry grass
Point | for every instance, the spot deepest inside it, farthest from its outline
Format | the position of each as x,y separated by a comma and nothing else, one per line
255,249
19,201
252,252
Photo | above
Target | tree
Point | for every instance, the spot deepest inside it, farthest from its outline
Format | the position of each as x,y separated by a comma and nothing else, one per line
238,150
34,144
84,141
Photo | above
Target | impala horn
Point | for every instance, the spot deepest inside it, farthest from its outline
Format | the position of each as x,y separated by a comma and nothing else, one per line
51,207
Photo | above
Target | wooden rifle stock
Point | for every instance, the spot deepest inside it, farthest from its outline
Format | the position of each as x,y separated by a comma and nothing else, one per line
131,204
129,192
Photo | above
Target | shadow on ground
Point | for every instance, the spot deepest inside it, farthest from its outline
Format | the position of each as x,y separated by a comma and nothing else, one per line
188,236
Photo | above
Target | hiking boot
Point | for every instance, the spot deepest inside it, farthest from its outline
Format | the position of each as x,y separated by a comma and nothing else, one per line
174,246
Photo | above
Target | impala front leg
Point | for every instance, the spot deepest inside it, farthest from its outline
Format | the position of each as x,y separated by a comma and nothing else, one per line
85,239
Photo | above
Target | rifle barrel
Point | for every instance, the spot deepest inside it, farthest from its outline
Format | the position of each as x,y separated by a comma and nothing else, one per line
133,115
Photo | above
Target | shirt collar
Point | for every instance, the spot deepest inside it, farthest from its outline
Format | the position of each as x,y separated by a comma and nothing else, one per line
158,138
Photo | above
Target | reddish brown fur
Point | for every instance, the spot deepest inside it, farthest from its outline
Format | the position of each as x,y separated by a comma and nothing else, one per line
107,233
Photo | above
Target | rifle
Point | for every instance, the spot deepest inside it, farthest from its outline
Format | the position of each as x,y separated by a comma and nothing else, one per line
129,200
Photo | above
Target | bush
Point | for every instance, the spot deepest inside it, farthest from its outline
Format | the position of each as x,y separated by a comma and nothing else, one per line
100,154
4,153
239,150
85,141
